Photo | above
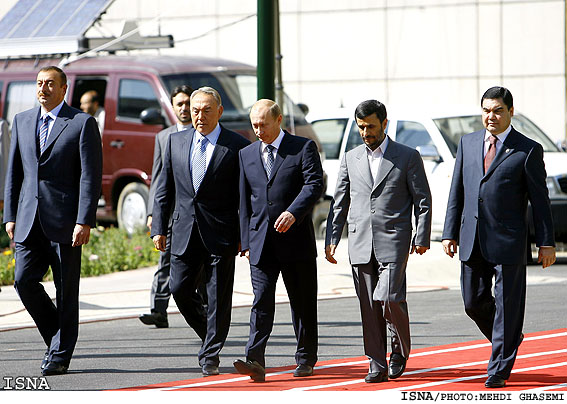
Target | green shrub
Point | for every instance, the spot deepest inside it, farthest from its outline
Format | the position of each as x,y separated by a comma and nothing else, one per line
109,250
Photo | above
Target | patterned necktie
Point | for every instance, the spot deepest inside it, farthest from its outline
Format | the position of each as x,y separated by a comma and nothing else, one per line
491,153
199,165
43,130
270,160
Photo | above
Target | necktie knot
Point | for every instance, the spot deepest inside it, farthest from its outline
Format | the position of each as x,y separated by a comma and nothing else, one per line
493,139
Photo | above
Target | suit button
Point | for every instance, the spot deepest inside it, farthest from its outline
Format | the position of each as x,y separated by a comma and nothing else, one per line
480,200
372,211
270,203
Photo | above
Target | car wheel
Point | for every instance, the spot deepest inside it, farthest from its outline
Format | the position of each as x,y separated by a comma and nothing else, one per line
132,207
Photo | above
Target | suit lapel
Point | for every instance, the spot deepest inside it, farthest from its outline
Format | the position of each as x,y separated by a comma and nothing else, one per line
58,126
29,129
387,163
280,155
218,154
363,166
505,151
186,157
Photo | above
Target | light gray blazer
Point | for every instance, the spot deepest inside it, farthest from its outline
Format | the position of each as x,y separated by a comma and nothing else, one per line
379,214
159,151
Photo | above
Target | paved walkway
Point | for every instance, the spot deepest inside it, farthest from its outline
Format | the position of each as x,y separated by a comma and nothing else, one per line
127,294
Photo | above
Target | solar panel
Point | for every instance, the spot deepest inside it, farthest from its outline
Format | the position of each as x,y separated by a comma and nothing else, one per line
47,26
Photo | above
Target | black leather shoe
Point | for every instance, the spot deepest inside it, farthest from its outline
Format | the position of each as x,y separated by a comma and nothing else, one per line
303,371
494,382
210,370
54,369
157,319
250,368
376,377
396,366
45,360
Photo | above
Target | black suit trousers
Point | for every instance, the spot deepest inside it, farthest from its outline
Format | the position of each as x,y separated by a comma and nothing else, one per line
57,323
300,279
500,317
187,271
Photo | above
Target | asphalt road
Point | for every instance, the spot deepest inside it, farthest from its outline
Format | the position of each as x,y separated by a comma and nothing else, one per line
125,353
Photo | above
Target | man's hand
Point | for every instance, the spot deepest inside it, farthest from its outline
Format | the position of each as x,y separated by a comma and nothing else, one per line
81,234
10,228
245,253
330,252
149,222
159,242
418,249
284,222
546,256
450,247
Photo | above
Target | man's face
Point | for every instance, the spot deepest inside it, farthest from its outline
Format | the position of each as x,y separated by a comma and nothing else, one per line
266,127
372,130
87,104
496,116
205,113
50,90
182,108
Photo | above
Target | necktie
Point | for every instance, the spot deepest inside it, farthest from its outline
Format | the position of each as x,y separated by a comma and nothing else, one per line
199,165
270,160
490,153
43,133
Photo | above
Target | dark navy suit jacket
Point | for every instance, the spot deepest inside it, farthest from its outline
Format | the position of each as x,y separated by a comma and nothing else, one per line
296,185
495,204
63,184
215,205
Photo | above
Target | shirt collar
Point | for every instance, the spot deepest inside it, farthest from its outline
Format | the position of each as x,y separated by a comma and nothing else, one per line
276,143
181,127
501,136
53,113
381,148
212,137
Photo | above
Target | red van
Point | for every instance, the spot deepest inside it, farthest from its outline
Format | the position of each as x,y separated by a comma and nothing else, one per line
134,91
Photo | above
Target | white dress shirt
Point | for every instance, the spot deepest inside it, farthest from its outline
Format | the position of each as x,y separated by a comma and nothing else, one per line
375,157
53,114
212,138
501,138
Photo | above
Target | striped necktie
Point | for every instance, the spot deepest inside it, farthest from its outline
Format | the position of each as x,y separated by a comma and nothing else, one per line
43,131
491,153
199,164
270,160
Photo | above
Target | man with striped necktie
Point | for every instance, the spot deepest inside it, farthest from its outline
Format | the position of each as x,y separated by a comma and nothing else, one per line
52,189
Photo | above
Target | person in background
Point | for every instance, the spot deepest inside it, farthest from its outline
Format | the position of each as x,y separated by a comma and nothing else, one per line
90,104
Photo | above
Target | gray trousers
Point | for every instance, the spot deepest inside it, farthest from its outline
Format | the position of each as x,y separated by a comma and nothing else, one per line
381,291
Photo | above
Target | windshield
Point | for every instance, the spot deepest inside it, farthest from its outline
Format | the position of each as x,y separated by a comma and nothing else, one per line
237,91
453,128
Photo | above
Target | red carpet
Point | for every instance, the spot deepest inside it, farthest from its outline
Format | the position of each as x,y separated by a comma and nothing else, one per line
541,366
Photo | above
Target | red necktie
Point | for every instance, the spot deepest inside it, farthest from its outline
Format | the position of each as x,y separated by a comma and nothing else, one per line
490,153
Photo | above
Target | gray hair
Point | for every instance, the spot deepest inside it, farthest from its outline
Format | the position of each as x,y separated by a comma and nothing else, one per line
210,91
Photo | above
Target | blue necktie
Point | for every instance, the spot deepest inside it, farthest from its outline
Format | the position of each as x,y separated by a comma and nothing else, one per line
43,130
270,160
199,164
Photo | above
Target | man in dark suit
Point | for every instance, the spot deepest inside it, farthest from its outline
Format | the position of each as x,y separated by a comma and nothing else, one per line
53,185
497,171
381,186
200,179
160,293
281,179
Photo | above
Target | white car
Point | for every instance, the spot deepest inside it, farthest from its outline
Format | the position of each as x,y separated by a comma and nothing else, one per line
436,137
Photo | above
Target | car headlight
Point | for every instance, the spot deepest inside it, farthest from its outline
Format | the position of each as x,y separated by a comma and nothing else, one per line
553,188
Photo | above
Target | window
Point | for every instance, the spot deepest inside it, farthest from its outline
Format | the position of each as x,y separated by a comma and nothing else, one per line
354,138
134,96
412,134
330,133
20,96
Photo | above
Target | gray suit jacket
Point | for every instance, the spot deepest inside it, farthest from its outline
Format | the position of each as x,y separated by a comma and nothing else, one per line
159,152
379,214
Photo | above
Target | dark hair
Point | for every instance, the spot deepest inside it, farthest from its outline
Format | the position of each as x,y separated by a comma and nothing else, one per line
369,107
62,74
181,89
498,92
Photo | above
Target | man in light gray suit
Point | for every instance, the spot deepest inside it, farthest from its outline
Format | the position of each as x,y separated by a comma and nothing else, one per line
380,184
160,293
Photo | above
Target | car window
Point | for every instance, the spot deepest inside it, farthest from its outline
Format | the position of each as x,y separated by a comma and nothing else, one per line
134,96
354,138
20,96
330,133
412,134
